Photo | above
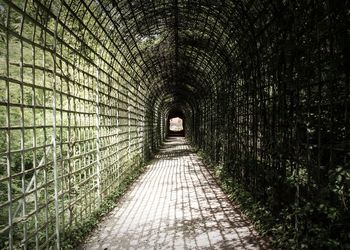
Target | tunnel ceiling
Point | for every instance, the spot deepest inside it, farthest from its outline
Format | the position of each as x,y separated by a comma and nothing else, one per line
185,49
180,48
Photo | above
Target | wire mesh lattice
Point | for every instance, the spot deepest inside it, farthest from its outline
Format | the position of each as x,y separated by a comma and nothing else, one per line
71,118
86,88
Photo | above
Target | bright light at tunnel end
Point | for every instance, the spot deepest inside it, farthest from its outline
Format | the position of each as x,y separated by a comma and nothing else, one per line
176,124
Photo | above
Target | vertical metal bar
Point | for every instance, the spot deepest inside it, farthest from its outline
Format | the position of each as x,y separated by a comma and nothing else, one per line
118,129
8,132
70,141
129,127
23,177
34,140
54,130
138,129
60,147
45,156
98,153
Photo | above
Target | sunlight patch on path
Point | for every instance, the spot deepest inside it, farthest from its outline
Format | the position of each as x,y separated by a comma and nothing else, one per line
175,204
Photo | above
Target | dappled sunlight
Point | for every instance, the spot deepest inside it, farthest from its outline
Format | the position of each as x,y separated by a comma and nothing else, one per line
93,90
176,204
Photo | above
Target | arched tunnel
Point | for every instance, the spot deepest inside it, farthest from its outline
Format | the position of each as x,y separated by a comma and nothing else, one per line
87,89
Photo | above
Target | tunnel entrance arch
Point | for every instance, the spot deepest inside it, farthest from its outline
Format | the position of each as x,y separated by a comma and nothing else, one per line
176,123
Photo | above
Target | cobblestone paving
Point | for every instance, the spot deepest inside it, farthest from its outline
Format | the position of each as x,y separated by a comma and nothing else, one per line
175,204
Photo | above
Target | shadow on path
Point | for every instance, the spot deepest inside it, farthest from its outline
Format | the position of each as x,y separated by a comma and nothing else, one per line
176,204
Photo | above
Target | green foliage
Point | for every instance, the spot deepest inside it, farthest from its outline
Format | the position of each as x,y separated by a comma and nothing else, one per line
339,184
75,235
27,70
312,224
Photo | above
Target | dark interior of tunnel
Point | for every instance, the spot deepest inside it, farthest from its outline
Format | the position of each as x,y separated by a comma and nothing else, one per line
87,89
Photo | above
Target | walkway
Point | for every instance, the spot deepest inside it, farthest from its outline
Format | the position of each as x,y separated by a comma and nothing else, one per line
176,204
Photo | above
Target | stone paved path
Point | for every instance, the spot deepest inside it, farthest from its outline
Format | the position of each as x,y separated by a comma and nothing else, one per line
175,204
